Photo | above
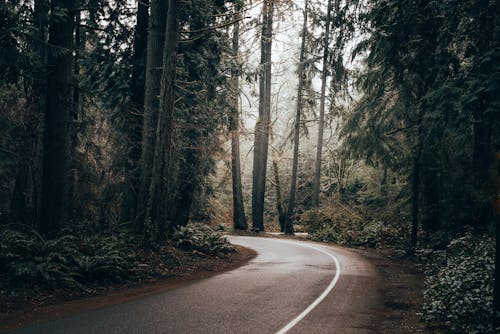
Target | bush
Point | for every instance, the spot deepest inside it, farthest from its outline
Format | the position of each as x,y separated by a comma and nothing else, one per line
342,225
68,261
459,285
202,238
315,220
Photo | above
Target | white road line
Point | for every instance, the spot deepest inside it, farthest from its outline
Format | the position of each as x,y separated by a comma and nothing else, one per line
318,300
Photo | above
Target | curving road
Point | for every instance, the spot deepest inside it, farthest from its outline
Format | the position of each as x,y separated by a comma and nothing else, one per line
290,287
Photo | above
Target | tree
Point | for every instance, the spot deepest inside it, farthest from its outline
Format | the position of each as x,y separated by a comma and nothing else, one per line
161,173
296,133
134,118
56,123
155,45
279,198
261,143
496,207
321,121
239,218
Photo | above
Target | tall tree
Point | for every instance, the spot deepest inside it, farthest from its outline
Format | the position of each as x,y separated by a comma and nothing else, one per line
296,132
262,126
161,174
321,121
155,44
496,207
134,118
239,218
56,124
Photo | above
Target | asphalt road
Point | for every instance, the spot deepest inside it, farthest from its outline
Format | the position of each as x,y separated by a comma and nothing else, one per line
290,287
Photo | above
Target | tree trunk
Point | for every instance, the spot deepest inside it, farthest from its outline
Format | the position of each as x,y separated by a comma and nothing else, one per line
415,194
496,206
263,123
58,108
279,198
156,40
430,196
19,210
187,185
239,218
481,159
133,127
321,123
416,182
79,41
161,174
296,134
384,185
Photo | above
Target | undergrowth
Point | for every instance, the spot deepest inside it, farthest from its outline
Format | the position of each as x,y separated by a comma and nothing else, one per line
85,258
71,260
458,292
202,238
341,224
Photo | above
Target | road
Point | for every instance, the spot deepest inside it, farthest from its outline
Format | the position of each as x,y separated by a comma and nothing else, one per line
290,287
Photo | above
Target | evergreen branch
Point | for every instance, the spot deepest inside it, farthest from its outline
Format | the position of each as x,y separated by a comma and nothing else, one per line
215,27
399,130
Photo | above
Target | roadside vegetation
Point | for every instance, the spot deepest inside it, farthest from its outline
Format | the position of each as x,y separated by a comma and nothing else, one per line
84,262
459,284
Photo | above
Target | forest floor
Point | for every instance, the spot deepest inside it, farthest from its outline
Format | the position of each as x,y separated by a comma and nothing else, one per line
22,306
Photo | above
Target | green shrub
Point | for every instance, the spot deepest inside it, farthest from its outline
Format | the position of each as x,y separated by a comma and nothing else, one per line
68,261
318,219
459,285
343,225
202,238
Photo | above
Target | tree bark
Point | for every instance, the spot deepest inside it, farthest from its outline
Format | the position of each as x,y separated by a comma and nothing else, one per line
161,174
134,121
155,42
79,46
496,207
58,108
430,195
296,134
239,218
187,183
279,198
263,123
415,194
321,122
384,185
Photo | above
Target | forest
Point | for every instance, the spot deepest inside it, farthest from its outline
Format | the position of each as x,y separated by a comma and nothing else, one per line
132,131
